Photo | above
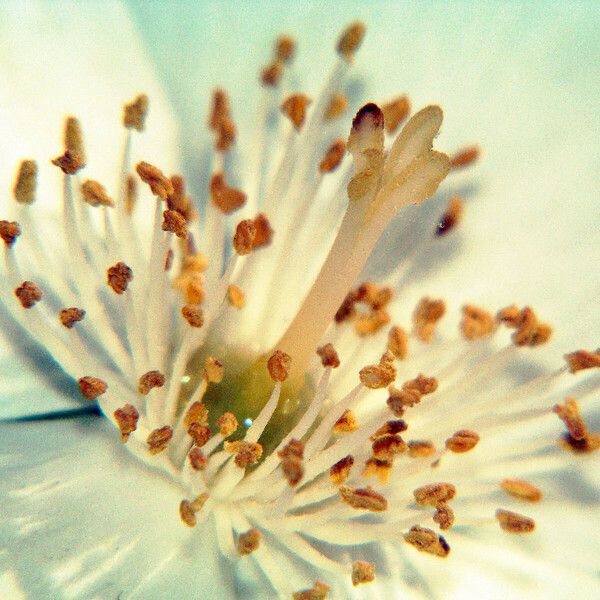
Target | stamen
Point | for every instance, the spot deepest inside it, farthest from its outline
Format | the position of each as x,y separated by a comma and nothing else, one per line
385,447
198,461
9,232
433,493
377,376
529,331
350,40
514,522
329,356
362,572
174,222
340,471
337,107
420,448
465,157
69,316
363,499
243,240
196,413
333,157
583,359
227,199
134,114
521,490
571,417
426,540
347,423
214,370
95,194
292,455
380,468
92,387
73,158
227,424
221,122
193,314
236,296
199,433
395,112
294,107
444,516
451,218
462,441
318,591
279,365
127,419
159,183
159,439
477,323
26,182
398,342
248,542
118,277
427,313
149,381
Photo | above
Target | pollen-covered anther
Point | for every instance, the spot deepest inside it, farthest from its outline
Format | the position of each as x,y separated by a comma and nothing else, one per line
333,157
329,356
159,183
521,490
421,448
292,455
477,323
569,413
278,365
337,107
451,217
395,112
271,74
248,542
187,513
94,194
590,443
427,540
390,428
243,240
196,413
73,158
294,107
433,493
399,400
347,423
134,113
264,232
426,316
385,447
193,314
127,419
92,387
180,201
174,222
398,342
159,439
236,296
444,516
372,322
226,198
514,522
462,441
131,194
214,369
220,121
424,385
377,376
150,380
350,40
9,232
69,316
246,453
26,182
227,423
583,359
318,591
198,461
529,330
380,468
199,433
118,277
363,499
465,157
509,315
340,471
285,47
362,572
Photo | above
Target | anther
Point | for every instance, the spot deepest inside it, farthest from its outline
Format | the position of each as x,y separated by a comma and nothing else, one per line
159,439
294,107
193,314
462,441
198,461
285,46
9,232
236,296
395,112
477,323
118,277
174,222
318,591
73,158
569,413
264,232
159,183
433,493
377,376
451,217
227,199
362,572
227,424
131,192
214,370
199,433
340,471
248,542
150,380
291,457
465,157
243,239
92,387
426,540
363,499
127,419
513,522
420,448
187,513
26,182
350,40
444,516
337,107
333,157
385,447
583,359
380,468
522,490
278,365
134,113
426,316
390,428
347,423
196,413
95,194
69,316
271,74
221,122
398,342
246,453
329,356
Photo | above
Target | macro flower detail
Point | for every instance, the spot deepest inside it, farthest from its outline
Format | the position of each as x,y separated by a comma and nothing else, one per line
309,434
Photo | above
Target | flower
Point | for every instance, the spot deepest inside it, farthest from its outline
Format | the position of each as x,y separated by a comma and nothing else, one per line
281,508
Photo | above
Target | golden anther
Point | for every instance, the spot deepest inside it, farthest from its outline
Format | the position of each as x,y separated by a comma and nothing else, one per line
95,194
583,359
279,364
465,157
193,314
427,313
187,513
199,433
462,441
385,447
159,183
340,471
159,439
375,467
214,370
394,112
433,493
26,182
570,415
227,199
92,387
248,542
426,540
398,342
329,356
333,157
264,232
134,113
318,591
347,423
477,323
235,296
150,380
227,423
198,461
285,46
363,499
69,316
350,40
377,376
362,572
243,240
421,448
294,107
127,419
196,413
337,107
522,490
174,222
444,516
118,277
514,522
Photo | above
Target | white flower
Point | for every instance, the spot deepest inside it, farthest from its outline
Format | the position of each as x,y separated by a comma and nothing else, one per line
268,515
